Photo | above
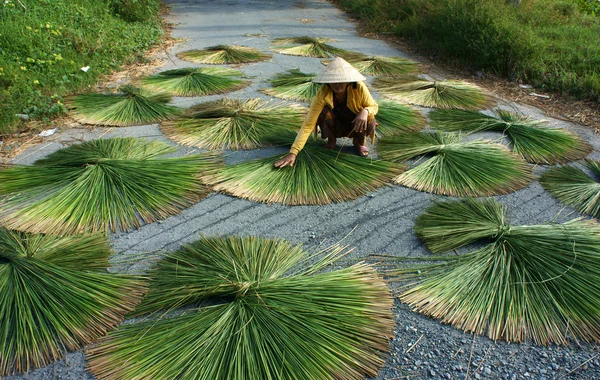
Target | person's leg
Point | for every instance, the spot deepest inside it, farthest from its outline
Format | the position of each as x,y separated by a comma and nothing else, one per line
326,122
359,139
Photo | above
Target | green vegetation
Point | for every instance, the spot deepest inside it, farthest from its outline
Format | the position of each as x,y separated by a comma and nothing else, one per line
533,140
128,106
224,54
236,124
533,282
454,167
319,176
574,187
267,317
438,94
550,44
101,185
196,81
44,45
307,47
55,295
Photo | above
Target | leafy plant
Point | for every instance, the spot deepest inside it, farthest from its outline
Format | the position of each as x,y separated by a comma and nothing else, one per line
307,47
293,85
276,322
56,296
531,139
529,283
101,185
437,94
130,106
224,54
236,124
575,188
394,118
470,168
319,176
198,81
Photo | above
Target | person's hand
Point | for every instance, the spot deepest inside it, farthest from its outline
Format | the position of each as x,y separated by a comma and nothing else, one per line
360,121
289,159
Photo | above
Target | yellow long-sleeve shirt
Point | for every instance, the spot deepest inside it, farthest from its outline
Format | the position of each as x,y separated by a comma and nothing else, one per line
357,99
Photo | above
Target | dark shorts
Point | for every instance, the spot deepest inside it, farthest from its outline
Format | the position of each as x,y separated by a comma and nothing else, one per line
338,123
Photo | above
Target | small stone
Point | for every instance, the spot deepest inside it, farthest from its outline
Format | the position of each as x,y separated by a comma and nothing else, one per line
555,366
526,374
371,196
513,376
432,372
544,355
418,362
447,375
477,376
22,116
543,371
487,371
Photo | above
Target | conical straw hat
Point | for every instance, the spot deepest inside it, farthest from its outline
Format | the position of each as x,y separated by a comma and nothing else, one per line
339,71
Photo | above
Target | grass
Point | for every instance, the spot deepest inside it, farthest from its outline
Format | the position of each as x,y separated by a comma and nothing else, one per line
126,107
273,320
575,188
236,124
532,139
55,295
436,94
45,47
542,43
293,85
319,176
200,81
455,168
224,54
100,186
528,283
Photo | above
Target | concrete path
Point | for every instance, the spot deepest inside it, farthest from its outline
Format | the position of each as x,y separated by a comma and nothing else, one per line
381,222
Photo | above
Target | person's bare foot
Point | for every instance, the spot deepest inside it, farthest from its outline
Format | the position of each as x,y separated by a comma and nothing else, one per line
361,150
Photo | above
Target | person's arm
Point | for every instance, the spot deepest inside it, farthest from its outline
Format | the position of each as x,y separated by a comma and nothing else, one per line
310,122
368,109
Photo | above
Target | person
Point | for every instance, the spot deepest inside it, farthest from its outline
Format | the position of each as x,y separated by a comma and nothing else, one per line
343,107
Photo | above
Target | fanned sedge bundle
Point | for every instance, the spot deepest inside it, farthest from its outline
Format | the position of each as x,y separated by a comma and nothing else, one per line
198,81
575,188
293,85
534,282
224,54
456,168
55,296
319,176
394,118
129,106
275,322
437,94
531,139
101,185
381,66
306,46
236,124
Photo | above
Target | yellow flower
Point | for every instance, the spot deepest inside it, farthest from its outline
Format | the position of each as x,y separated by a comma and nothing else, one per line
23,68
36,82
